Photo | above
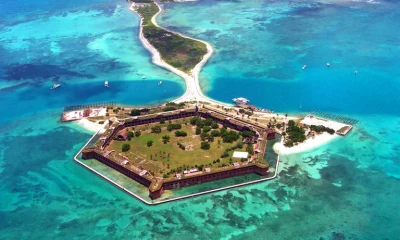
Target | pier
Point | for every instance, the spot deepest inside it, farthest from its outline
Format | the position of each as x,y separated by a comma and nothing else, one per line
93,105
335,117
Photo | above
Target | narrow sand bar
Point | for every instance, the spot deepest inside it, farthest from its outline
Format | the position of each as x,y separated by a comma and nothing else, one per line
193,91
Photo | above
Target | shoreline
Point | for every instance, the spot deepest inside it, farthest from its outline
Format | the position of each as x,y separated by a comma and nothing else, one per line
308,145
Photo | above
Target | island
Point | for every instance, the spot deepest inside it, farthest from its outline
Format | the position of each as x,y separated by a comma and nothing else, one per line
174,149
180,52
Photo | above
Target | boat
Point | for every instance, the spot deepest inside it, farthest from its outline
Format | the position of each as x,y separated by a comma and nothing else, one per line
241,100
355,72
106,84
160,82
328,64
304,67
55,86
143,77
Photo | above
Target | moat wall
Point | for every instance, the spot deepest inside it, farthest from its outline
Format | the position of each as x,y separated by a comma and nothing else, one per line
94,155
178,183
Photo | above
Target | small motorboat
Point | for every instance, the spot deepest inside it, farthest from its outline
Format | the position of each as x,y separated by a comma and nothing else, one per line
159,83
144,77
106,84
328,64
304,67
356,72
55,86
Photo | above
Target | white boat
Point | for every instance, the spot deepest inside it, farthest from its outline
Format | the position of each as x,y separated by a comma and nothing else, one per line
160,82
143,77
106,84
328,64
241,100
55,86
356,72
304,67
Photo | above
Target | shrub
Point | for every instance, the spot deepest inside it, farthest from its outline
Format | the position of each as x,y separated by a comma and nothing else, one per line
171,127
194,120
208,122
239,145
180,133
135,112
206,129
203,136
230,136
137,133
215,133
246,134
169,108
150,143
162,121
225,154
156,129
205,145
198,130
214,125
181,146
279,126
126,147
165,139
101,122
130,135
250,149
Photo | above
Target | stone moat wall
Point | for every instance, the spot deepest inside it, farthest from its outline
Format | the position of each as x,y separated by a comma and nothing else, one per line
178,183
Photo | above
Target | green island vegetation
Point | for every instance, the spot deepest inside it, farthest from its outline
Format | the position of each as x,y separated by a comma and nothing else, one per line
294,134
170,106
321,128
169,148
181,53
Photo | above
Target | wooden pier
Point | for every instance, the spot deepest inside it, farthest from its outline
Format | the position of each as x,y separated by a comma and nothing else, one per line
93,105
335,117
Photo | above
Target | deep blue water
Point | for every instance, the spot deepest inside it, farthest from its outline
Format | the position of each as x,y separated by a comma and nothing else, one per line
347,189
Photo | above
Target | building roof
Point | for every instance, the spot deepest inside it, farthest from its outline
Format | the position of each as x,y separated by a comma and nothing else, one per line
238,154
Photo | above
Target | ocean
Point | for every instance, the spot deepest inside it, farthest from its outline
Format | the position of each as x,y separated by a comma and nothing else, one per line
346,189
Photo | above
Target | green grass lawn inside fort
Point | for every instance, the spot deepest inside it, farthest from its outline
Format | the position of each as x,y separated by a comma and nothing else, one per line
172,152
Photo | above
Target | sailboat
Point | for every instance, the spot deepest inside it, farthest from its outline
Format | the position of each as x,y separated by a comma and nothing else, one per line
106,84
55,86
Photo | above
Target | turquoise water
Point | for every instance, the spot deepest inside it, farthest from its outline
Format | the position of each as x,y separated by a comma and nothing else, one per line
347,189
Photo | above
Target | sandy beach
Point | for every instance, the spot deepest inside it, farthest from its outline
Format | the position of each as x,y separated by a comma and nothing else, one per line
307,145
88,125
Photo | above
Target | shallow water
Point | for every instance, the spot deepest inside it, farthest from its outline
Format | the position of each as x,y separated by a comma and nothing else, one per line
345,189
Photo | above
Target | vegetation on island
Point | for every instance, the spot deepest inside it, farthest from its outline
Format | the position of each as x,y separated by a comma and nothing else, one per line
321,128
181,53
294,134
